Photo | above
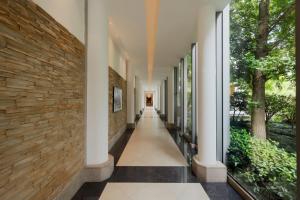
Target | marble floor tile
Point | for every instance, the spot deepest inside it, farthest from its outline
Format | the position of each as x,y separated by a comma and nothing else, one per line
151,191
151,145
152,178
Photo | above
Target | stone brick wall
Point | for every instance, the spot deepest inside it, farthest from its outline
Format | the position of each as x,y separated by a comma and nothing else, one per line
41,103
117,120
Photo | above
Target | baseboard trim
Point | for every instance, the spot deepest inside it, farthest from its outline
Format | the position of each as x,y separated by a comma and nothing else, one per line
137,118
98,173
131,125
209,173
116,137
71,187
95,173
170,125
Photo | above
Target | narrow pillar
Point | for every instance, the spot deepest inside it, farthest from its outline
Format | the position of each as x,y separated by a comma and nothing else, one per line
154,98
137,96
158,97
99,163
130,97
162,98
205,164
142,97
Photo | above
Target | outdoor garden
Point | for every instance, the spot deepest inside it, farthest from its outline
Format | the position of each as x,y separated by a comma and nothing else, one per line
261,155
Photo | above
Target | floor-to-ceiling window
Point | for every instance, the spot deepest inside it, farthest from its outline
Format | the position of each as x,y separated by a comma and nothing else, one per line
188,96
184,109
179,100
262,153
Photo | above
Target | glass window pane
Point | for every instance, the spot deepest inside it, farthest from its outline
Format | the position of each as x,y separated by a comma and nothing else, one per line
262,151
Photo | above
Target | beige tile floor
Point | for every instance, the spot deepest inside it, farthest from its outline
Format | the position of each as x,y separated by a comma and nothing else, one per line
151,145
154,191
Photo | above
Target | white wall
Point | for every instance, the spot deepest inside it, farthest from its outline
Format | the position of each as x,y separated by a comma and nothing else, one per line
116,58
69,13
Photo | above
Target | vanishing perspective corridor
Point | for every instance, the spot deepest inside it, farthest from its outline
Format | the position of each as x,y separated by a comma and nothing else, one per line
151,166
151,144
148,100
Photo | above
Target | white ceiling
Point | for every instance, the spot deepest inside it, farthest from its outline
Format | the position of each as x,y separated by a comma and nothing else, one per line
176,31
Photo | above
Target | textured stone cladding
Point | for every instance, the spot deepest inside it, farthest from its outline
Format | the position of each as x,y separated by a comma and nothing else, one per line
117,120
41,103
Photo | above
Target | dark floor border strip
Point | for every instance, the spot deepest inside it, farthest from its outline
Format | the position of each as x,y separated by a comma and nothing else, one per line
154,174
118,148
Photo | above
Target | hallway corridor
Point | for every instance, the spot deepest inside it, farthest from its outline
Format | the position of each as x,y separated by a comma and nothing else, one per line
149,165
148,100
151,144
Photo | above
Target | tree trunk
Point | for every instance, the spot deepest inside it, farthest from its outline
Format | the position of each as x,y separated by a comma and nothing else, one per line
258,123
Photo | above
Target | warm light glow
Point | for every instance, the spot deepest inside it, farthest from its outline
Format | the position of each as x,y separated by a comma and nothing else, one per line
152,9
109,21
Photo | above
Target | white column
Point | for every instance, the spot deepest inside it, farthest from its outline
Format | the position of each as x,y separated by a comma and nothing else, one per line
142,97
205,164
171,96
162,97
130,95
137,93
206,85
158,97
154,98
97,83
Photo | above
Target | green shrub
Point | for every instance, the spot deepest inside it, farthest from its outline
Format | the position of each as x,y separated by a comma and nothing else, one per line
268,169
239,149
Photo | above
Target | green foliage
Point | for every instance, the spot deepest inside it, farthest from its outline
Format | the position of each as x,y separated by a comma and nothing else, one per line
262,165
238,150
280,59
274,104
289,111
273,168
277,63
282,86
238,103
